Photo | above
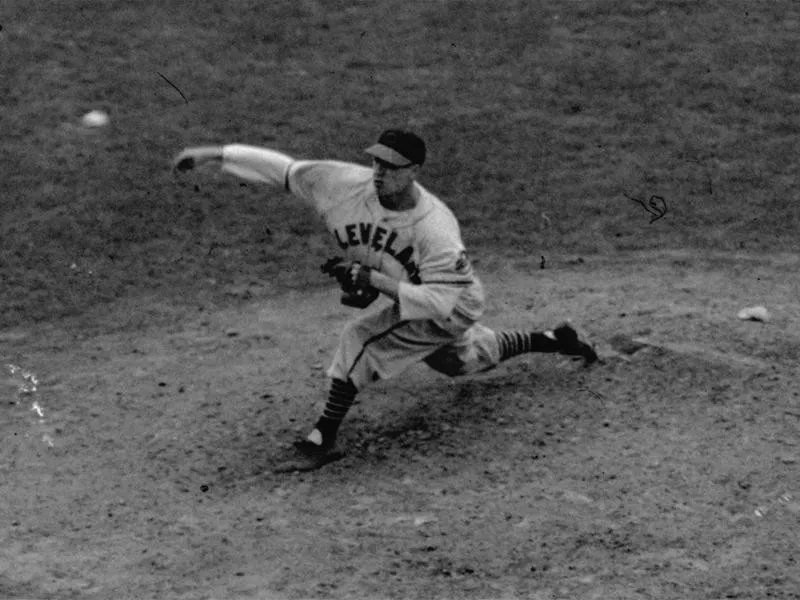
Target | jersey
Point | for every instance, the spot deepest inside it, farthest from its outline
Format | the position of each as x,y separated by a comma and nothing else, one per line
422,247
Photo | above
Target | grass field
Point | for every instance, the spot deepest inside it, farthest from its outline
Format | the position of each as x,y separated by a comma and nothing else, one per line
530,108
646,149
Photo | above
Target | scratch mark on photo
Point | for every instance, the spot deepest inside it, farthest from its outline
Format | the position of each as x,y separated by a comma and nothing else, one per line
656,206
174,86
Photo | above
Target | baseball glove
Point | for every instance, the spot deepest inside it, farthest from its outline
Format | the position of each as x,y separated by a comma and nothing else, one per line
353,278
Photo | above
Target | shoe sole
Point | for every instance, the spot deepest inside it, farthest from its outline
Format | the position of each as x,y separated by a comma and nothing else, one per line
303,464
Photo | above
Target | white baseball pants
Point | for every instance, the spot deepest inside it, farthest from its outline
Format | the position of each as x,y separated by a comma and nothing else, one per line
378,346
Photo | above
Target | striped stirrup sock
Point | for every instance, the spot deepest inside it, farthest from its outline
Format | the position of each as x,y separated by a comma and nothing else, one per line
341,396
514,343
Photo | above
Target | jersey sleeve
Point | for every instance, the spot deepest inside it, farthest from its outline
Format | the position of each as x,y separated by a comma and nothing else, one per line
324,183
320,183
260,165
445,273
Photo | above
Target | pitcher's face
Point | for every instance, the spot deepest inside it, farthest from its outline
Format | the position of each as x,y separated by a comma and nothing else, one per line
389,179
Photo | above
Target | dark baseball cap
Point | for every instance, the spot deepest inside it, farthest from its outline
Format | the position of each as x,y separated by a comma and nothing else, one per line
399,148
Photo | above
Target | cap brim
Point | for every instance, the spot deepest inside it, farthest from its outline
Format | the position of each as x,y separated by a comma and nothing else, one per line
388,155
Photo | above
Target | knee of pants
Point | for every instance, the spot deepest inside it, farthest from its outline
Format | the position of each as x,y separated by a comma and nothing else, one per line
351,361
475,352
446,361
361,373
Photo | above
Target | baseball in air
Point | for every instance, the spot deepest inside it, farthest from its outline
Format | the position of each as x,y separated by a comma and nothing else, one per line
95,118
754,313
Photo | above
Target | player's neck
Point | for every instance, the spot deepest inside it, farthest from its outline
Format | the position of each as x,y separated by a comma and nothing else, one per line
405,199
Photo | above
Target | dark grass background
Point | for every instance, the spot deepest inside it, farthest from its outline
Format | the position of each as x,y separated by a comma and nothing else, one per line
541,117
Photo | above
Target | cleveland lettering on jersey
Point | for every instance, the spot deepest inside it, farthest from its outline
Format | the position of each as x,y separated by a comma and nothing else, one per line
367,234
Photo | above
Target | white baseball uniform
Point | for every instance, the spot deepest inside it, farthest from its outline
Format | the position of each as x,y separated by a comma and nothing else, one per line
440,300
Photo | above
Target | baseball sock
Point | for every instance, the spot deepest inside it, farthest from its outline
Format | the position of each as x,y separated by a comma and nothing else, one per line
341,396
514,343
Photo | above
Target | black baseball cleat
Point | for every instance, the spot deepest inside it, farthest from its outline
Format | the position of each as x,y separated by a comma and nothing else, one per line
571,344
308,456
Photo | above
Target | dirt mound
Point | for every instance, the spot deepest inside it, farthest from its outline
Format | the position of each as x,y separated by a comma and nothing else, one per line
139,464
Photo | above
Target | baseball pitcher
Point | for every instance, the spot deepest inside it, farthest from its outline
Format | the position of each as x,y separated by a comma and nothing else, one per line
397,239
